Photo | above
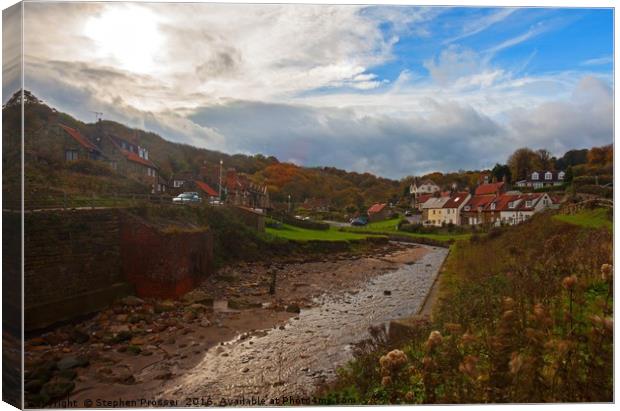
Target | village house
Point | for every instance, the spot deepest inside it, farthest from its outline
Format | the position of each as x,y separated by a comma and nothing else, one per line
453,207
131,160
515,209
419,203
178,180
78,147
417,189
540,179
378,212
492,189
433,212
205,190
474,210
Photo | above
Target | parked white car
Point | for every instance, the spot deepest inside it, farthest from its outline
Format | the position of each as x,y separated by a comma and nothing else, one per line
187,198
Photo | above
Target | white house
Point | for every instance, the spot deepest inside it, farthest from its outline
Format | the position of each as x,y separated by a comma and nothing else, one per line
515,209
452,208
540,179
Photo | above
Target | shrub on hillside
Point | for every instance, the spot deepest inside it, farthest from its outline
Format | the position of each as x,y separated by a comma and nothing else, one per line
605,192
92,167
593,180
309,224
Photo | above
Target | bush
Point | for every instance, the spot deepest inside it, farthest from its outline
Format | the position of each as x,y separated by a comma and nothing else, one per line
92,167
606,192
309,224
592,180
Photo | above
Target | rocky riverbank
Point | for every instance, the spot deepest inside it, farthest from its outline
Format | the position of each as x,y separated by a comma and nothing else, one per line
131,350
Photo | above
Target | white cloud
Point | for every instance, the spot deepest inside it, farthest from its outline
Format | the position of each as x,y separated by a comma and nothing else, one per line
599,61
479,25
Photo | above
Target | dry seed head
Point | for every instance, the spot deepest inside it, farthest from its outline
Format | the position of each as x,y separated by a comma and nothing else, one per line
468,338
608,322
569,282
508,315
434,339
385,381
607,271
468,366
508,303
409,397
516,362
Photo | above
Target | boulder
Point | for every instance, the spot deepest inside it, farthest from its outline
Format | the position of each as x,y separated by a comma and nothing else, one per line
165,306
58,388
293,308
131,301
197,297
72,361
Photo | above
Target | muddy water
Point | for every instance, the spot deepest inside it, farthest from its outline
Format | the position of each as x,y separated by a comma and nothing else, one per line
292,359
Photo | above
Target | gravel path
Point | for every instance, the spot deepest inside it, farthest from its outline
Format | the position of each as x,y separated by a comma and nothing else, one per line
292,359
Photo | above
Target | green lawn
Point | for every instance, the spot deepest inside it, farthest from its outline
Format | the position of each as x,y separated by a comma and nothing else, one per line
303,234
596,218
389,227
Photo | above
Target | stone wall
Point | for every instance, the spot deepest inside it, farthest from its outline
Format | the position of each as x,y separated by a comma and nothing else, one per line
252,218
72,264
164,264
77,262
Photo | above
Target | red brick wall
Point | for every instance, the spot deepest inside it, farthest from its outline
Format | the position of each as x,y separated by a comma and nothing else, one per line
163,264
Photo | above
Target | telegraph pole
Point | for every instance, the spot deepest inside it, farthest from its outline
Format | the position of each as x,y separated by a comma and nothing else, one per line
221,162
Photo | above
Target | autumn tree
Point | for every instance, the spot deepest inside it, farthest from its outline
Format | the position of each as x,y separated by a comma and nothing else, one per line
545,160
522,162
600,156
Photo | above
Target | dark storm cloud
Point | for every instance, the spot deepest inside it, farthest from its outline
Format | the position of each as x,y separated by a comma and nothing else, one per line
385,145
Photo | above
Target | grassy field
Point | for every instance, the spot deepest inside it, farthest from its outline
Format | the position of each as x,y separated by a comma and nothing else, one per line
290,232
596,218
390,227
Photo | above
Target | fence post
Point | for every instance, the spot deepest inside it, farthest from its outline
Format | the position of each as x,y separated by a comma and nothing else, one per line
64,201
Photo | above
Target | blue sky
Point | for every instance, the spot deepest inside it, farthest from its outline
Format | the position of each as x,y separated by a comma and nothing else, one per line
392,90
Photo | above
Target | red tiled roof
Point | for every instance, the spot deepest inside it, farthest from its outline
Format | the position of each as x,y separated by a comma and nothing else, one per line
376,208
491,188
533,197
206,188
479,201
131,156
423,198
83,141
504,200
456,200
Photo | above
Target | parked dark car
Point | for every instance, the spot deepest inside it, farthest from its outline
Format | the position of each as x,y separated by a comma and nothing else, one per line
187,198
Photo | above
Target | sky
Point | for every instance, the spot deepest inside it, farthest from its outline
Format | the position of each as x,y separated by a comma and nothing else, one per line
391,90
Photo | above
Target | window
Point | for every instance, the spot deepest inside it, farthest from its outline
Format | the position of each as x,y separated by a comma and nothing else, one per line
511,204
150,172
177,183
492,206
561,175
548,175
71,155
528,203
467,208
534,176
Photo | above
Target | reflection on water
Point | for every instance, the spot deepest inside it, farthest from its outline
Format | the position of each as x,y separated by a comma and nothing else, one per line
292,359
